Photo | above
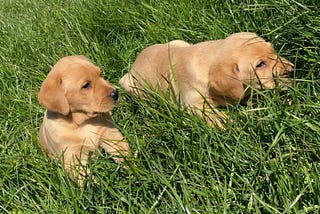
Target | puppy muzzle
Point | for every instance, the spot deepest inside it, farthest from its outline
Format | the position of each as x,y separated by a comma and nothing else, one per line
114,94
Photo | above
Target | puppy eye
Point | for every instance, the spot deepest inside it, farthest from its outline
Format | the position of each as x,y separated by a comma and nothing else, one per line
87,85
261,64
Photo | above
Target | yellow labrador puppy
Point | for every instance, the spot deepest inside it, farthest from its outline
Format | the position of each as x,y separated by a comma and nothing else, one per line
78,117
218,72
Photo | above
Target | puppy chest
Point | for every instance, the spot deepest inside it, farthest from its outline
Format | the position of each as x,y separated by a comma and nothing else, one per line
89,137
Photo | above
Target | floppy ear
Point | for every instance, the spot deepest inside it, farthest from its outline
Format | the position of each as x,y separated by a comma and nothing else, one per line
224,82
51,95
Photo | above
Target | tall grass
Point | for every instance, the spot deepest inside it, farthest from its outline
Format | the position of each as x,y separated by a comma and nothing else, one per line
266,161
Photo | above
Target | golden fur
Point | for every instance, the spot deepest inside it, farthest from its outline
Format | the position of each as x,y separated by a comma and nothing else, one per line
218,71
78,117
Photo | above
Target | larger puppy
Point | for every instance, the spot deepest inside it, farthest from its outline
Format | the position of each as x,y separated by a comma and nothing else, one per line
78,120
216,72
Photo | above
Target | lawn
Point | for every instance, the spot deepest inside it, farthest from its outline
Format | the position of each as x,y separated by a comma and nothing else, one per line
267,160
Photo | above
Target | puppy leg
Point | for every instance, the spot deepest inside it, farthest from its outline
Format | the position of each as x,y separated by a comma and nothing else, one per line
115,145
215,118
127,82
75,165
207,111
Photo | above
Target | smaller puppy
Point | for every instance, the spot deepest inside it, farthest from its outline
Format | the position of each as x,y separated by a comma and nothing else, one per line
78,119
217,72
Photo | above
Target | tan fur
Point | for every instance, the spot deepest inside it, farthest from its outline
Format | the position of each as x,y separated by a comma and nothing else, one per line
219,71
78,117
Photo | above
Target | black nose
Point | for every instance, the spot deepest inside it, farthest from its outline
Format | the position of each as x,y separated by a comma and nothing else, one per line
115,94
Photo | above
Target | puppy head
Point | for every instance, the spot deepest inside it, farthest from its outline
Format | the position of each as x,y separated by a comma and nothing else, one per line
243,60
74,84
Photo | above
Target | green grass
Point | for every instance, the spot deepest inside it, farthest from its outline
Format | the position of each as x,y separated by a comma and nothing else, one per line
266,161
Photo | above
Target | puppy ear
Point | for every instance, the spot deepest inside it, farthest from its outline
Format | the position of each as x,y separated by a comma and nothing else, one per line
225,82
51,95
